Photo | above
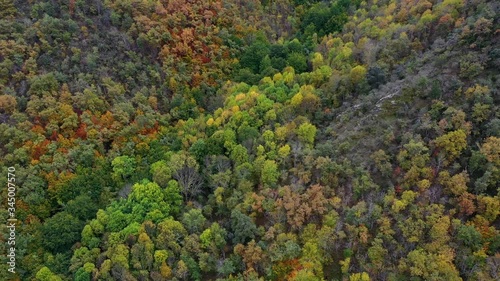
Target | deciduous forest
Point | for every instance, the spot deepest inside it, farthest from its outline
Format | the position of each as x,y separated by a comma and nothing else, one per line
251,140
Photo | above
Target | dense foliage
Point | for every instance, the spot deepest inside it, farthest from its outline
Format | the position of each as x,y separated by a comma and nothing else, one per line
252,140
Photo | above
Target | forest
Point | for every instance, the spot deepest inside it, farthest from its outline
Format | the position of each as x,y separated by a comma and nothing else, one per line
301,140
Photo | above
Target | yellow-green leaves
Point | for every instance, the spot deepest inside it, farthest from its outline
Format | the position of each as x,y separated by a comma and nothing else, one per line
307,133
357,74
452,144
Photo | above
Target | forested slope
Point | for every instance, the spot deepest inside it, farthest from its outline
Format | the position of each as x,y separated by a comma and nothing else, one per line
252,140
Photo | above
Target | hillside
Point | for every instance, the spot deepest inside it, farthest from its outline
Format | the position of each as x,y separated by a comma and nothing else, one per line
251,140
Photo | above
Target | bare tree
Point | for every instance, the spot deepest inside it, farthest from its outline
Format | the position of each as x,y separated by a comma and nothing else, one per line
185,171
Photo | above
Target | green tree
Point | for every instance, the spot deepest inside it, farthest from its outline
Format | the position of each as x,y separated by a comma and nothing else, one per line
123,167
161,173
213,238
193,220
243,227
254,54
269,173
173,196
307,133
61,231
148,201
170,234
44,274
239,154
82,207
85,272
298,61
